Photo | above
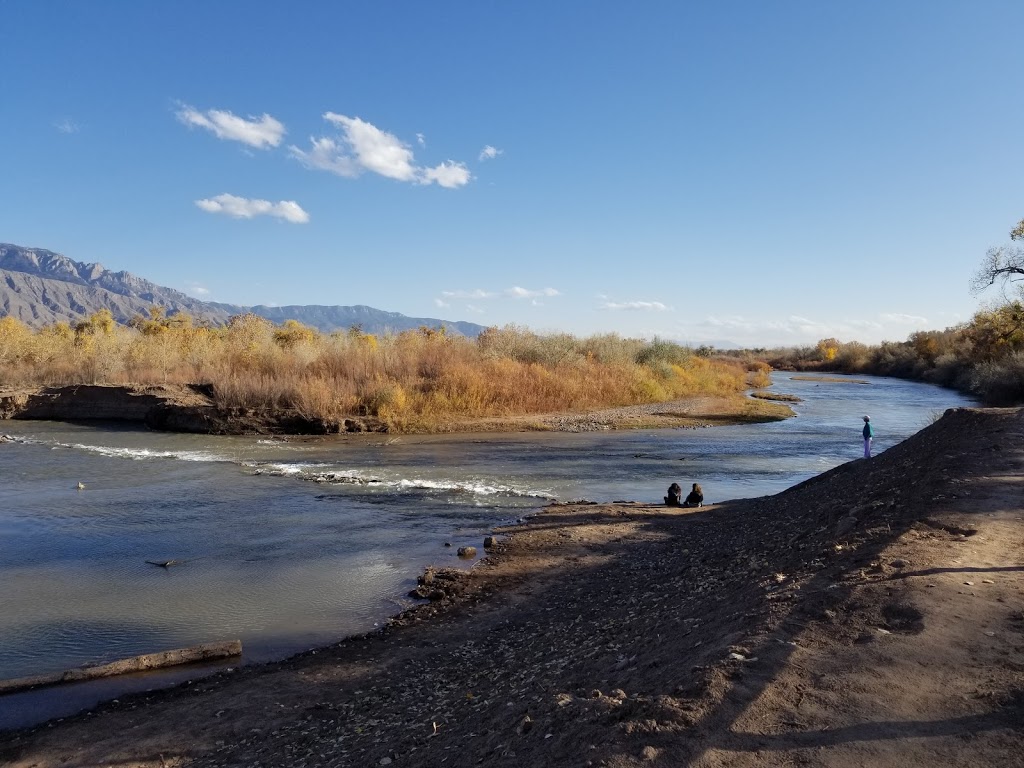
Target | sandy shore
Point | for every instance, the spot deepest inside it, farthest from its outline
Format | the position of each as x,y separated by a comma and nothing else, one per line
871,616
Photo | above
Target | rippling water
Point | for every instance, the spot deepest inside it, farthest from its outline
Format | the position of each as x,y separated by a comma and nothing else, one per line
288,544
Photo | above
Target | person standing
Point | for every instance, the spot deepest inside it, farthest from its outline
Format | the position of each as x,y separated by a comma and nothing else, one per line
868,434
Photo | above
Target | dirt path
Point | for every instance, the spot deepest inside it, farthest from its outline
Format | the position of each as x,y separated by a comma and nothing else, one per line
828,625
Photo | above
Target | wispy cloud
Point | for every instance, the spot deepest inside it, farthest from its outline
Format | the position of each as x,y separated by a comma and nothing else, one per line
794,325
489,152
261,132
363,146
798,329
326,154
524,293
245,208
66,125
474,309
903,319
421,139
197,290
635,306
479,293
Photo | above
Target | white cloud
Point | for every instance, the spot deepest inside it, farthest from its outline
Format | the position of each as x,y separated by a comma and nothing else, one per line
260,132
244,208
374,149
489,152
441,303
421,139
474,309
197,289
66,126
523,293
645,306
327,155
363,146
479,293
448,174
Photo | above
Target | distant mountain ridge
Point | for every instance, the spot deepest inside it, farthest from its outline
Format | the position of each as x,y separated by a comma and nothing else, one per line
40,287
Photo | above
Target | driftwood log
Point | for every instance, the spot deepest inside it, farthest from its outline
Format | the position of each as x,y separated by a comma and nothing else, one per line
203,652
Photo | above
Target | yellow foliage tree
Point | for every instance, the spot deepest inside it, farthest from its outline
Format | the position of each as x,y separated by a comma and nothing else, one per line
828,349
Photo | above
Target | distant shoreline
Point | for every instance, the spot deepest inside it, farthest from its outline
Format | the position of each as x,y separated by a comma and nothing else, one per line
190,408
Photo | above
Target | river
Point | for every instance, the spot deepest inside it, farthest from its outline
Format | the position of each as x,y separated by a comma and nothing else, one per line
290,544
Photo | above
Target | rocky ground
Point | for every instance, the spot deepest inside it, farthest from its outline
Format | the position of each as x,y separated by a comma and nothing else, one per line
871,616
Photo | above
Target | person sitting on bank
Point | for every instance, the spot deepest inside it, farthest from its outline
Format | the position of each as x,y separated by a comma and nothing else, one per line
675,495
695,498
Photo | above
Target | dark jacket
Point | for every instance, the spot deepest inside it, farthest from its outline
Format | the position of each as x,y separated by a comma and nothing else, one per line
675,493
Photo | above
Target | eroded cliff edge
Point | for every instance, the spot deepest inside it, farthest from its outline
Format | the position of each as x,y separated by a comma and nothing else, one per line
189,408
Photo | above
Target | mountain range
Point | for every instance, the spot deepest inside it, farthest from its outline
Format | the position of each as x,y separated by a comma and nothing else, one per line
40,287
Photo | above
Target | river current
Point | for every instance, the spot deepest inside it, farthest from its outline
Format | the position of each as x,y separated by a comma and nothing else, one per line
290,544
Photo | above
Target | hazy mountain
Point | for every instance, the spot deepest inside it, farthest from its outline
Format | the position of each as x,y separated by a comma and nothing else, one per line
333,318
40,287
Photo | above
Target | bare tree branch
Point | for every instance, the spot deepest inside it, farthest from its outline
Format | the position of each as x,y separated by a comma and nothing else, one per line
1004,264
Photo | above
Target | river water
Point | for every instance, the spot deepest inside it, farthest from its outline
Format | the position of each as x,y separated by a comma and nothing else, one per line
290,544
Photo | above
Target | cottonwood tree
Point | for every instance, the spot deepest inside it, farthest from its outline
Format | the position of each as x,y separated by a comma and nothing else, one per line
1003,264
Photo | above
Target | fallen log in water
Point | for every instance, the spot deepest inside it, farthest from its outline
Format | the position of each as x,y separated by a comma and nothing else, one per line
203,652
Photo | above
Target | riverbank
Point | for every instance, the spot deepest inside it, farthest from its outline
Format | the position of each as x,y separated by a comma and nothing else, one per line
192,409
871,615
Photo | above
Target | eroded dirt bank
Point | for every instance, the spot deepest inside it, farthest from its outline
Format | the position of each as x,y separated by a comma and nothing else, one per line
192,408
170,408
870,616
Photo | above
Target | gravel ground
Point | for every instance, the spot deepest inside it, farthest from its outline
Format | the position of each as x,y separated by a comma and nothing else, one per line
873,615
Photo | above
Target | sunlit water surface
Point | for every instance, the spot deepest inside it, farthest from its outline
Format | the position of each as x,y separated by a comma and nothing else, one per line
289,544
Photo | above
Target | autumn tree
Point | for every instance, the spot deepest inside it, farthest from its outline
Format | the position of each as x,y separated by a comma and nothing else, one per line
995,333
292,333
828,349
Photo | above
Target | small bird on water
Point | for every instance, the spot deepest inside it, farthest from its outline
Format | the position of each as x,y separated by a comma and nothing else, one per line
81,486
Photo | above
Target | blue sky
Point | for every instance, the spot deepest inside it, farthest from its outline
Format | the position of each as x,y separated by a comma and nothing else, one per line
765,173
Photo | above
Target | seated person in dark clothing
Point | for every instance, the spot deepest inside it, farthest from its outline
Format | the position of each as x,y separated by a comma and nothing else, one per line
695,498
675,493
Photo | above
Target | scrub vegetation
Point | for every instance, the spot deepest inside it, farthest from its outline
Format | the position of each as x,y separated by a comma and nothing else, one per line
417,380
983,357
